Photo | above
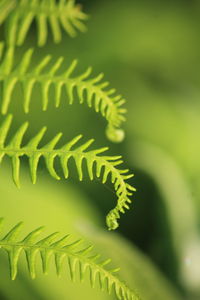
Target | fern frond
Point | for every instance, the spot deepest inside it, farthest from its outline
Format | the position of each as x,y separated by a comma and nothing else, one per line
5,9
101,166
93,91
62,14
78,256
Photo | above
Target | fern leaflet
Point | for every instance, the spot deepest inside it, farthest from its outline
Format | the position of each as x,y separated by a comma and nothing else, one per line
98,165
5,9
58,14
89,90
78,256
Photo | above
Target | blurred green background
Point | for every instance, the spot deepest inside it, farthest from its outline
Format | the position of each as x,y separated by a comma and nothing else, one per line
149,51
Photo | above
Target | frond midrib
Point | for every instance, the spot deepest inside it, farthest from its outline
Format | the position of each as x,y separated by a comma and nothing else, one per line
97,165
66,251
58,152
75,82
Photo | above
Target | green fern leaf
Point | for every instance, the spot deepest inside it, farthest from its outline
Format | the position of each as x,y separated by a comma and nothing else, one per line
62,14
79,257
89,90
97,165
5,9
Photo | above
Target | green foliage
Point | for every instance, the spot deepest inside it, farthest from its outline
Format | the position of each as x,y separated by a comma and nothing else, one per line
105,165
80,217
61,250
58,14
5,9
88,90
137,270
17,17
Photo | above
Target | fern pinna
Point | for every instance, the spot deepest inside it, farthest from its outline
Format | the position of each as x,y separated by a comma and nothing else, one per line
103,100
62,14
98,165
79,257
